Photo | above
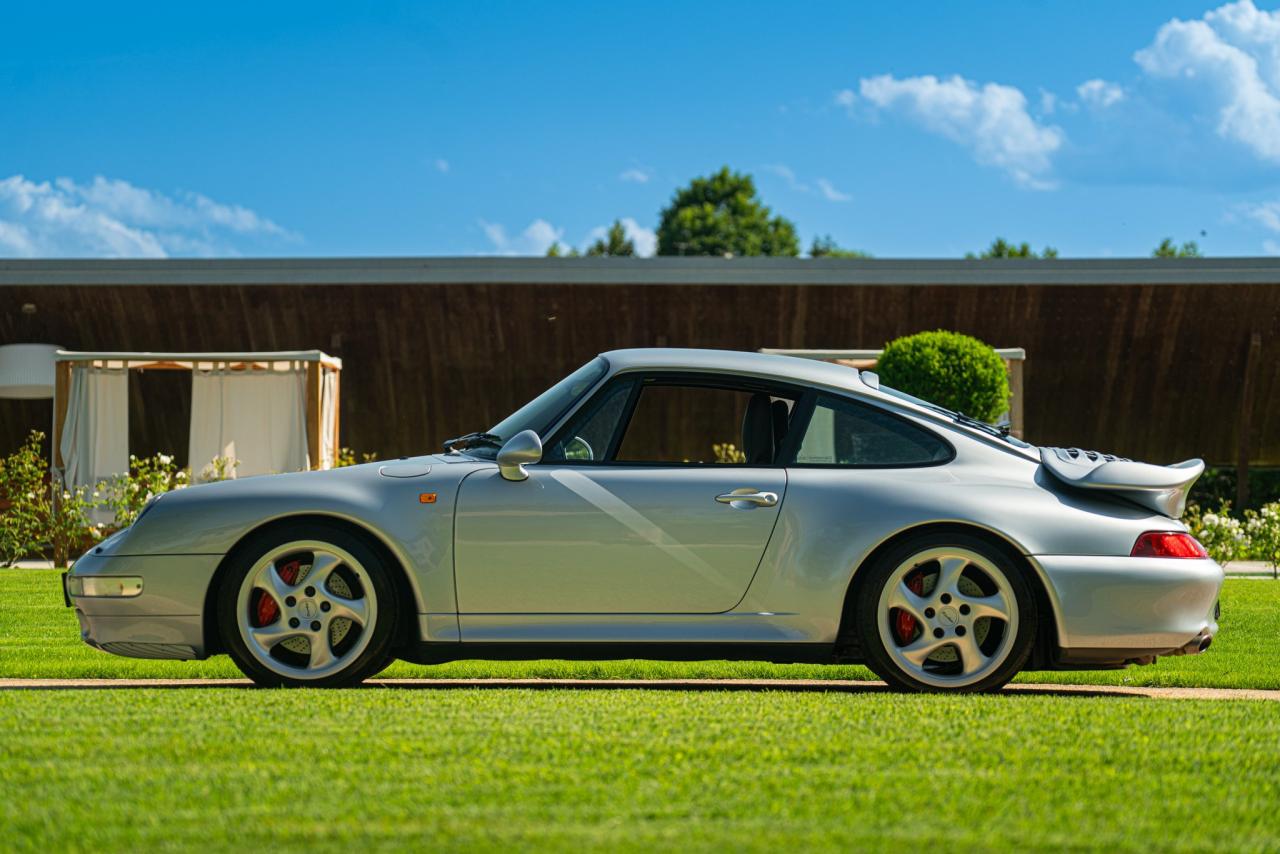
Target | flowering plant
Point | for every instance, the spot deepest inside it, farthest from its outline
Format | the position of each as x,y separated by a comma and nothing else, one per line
1263,530
1222,535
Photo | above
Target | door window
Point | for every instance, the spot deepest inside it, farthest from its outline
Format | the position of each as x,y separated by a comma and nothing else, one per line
845,433
674,423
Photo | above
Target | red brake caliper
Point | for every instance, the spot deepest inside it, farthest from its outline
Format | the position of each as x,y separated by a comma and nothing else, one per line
267,609
904,625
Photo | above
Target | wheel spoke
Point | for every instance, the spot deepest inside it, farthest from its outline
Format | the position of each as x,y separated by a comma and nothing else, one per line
321,653
904,598
972,658
949,575
322,565
269,580
923,647
269,636
356,610
996,607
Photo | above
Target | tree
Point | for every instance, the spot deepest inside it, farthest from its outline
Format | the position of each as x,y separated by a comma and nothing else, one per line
615,243
556,251
1169,249
1001,248
826,247
722,215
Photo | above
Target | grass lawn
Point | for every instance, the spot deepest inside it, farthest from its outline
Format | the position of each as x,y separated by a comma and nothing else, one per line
39,639
392,768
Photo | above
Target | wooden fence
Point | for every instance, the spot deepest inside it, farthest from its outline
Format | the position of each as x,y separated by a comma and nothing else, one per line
1155,372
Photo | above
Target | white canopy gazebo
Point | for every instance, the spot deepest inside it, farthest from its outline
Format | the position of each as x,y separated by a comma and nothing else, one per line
271,411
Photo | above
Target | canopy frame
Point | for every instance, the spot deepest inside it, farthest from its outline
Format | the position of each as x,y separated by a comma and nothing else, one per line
318,364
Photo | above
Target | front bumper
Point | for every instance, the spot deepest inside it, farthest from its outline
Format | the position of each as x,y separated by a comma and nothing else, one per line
164,621
1116,609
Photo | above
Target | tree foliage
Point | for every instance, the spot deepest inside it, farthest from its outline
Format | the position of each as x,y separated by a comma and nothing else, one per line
615,243
722,215
1169,249
1001,248
826,247
950,369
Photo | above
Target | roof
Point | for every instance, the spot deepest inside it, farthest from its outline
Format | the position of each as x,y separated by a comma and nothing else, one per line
792,368
144,359
640,271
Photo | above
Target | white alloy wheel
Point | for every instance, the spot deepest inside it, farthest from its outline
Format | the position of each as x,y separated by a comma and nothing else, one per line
306,610
948,617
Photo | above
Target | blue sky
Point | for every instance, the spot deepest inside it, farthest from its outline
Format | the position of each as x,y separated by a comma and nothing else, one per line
903,129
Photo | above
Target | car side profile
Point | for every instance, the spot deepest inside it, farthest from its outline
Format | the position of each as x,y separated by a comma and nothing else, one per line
676,504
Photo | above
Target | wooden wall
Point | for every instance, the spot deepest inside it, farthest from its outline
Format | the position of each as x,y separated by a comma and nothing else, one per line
1153,372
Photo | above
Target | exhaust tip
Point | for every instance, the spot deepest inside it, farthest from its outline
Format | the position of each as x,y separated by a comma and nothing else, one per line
1204,644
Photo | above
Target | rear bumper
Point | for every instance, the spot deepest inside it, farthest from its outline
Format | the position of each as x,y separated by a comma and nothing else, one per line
164,621
1115,609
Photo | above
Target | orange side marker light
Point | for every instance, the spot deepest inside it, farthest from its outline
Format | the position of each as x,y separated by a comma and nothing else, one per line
426,498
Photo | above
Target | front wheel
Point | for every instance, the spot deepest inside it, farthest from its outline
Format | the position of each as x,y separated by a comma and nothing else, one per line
307,605
945,612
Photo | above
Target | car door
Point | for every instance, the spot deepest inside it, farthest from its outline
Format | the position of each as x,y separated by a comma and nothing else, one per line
647,502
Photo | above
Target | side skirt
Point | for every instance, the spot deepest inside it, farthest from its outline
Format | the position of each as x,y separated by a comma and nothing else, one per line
438,652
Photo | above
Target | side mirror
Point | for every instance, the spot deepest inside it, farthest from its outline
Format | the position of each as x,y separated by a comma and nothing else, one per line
524,448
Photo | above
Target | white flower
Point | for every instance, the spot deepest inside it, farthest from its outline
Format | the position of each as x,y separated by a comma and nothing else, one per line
165,459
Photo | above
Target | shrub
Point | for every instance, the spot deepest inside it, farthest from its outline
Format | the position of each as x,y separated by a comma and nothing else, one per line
1222,535
1263,530
147,478
949,369
34,524
347,457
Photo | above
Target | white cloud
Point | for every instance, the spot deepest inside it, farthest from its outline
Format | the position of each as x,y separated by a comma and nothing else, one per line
1266,213
536,239
442,165
1232,55
113,218
787,174
1100,93
845,98
635,176
1048,102
991,120
645,239
830,193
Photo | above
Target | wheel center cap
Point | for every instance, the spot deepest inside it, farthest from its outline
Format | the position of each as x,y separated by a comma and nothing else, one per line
308,609
949,616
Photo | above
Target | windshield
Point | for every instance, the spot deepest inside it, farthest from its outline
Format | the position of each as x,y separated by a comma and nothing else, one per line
547,408
959,417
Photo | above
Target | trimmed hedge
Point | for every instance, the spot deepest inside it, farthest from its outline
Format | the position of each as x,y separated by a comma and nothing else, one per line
950,369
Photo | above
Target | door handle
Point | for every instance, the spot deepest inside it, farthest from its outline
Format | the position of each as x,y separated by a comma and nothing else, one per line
743,498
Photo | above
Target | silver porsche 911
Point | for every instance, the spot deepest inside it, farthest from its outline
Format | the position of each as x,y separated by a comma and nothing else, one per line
676,504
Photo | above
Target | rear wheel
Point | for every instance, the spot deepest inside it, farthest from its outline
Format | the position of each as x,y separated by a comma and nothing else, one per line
308,605
945,612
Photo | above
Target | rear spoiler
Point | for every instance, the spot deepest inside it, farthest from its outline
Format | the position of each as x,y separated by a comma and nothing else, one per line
1160,488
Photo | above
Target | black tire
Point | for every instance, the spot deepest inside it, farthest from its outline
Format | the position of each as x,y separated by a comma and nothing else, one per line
866,613
379,651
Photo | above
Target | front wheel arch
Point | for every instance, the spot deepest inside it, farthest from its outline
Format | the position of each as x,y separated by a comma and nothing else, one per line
406,629
1046,644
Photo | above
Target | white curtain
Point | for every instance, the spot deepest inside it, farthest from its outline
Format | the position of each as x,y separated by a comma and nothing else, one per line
328,418
255,417
95,432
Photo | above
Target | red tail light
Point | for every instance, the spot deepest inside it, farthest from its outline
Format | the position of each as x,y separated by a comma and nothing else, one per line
1167,544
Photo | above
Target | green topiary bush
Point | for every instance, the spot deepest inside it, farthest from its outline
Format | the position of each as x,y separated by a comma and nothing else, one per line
949,369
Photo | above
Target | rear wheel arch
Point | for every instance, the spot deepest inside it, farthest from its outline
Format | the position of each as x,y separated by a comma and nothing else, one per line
406,631
1047,634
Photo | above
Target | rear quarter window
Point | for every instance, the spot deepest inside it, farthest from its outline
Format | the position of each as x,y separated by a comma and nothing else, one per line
845,433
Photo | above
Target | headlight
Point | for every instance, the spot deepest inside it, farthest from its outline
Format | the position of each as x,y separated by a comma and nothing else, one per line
105,586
